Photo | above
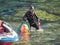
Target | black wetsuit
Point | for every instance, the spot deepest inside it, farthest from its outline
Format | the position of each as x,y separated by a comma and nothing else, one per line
32,19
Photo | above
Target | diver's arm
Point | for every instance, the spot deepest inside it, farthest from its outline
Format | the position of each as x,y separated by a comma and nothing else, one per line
37,17
25,17
38,20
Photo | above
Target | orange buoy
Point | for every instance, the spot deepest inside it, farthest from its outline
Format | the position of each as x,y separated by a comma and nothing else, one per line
24,28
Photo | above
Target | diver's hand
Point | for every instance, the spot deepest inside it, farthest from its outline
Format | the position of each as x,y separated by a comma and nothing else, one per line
38,20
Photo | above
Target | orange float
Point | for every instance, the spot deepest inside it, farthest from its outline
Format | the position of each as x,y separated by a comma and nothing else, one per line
24,28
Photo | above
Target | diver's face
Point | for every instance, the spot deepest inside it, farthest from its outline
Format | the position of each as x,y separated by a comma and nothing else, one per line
32,10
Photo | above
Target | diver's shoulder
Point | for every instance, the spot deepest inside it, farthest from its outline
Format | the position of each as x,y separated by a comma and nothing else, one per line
28,12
